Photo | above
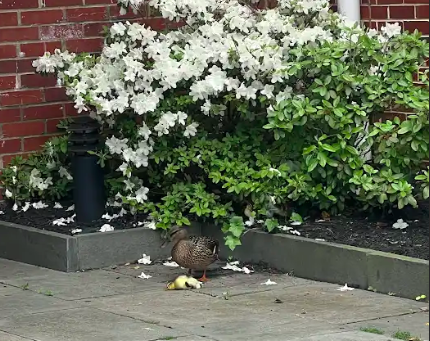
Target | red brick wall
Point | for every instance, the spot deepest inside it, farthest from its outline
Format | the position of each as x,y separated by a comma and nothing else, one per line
31,105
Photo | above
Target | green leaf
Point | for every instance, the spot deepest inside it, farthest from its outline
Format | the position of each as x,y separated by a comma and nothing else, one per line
296,217
232,242
312,165
271,224
329,148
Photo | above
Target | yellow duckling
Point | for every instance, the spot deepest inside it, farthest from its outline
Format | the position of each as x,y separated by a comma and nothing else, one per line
183,283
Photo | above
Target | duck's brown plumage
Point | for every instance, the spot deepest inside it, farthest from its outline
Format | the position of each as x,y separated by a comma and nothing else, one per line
194,252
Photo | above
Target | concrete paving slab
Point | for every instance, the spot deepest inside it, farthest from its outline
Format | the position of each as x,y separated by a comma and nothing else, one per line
10,337
416,324
15,270
221,281
347,336
85,324
209,316
324,302
15,301
82,285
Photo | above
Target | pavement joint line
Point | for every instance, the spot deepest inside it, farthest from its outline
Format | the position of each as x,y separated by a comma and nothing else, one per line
388,316
13,334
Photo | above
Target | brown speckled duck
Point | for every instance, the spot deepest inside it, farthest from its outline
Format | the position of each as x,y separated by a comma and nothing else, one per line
193,252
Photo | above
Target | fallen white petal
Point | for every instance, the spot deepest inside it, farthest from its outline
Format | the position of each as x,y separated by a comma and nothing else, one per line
246,270
76,231
146,260
171,264
71,208
58,205
39,205
15,207
345,288
150,225
269,282
1,212
107,228
26,207
320,240
144,276
285,228
296,223
295,232
400,225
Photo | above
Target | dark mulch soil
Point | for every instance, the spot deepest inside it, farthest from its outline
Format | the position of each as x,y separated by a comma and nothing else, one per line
373,232
43,219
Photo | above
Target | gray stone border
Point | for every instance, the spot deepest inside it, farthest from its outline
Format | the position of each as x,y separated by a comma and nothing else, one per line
322,261
334,263
80,252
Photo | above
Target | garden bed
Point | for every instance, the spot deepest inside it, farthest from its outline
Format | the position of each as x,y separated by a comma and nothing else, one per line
355,230
38,242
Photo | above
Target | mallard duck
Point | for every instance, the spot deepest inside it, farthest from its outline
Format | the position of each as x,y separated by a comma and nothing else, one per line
193,252
184,282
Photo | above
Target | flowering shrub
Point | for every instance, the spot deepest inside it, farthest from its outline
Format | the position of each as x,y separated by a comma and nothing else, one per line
269,110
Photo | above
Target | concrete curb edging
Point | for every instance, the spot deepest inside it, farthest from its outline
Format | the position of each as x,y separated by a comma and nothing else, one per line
329,262
322,261
80,252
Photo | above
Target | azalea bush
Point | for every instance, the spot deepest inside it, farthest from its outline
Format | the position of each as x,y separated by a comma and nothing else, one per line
244,115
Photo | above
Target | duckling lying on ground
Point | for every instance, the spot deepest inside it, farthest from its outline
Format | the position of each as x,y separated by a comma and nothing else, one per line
193,252
184,282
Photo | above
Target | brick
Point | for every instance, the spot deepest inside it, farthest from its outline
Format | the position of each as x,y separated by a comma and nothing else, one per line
8,51
97,2
38,81
61,3
42,17
23,129
70,110
8,66
10,146
8,19
51,126
379,12
423,12
25,65
7,82
85,45
55,94
94,29
21,97
87,14
43,112
19,34
19,4
422,26
35,143
38,49
115,13
66,32
402,12
10,115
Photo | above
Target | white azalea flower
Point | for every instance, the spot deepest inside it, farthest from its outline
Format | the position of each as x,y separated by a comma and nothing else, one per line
8,194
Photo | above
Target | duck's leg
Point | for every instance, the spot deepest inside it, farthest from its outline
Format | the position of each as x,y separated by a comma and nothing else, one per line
204,278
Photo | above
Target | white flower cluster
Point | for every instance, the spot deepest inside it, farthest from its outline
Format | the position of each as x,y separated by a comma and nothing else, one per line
226,47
